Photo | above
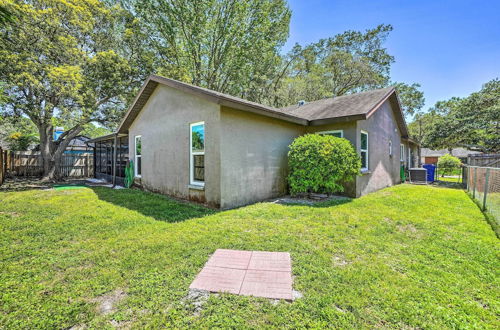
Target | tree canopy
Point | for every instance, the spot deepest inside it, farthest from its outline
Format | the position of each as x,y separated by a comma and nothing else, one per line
71,60
349,62
230,46
471,122
76,62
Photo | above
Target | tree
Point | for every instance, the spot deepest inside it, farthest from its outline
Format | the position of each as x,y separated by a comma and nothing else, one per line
21,142
230,46
411,98
419,128
321,164
346,63
70,60
5,16
14,129
472,122
448,163
91,130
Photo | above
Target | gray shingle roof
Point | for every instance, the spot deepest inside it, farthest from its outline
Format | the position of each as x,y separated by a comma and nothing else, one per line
341,106
457,152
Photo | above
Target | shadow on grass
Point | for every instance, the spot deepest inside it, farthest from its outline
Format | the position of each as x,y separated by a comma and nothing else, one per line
318,204
153,205
448,184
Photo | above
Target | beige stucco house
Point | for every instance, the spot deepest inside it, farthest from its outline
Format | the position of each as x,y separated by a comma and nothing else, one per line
201,145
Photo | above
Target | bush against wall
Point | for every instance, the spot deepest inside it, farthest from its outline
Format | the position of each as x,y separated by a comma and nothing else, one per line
448,163
321,164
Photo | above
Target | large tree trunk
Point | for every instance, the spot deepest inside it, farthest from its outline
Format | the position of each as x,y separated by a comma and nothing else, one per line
52,151
46,147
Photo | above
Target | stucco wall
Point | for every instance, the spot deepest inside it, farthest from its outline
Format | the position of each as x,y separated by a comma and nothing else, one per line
163,124
245,154
253,157
383,169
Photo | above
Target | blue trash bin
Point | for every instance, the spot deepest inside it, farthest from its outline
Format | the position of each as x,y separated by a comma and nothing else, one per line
431,169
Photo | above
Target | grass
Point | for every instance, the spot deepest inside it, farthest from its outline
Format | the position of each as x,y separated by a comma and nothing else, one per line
454,172
492,212
450,179
406,256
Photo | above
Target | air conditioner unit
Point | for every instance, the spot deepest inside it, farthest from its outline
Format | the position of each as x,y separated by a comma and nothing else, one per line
418,175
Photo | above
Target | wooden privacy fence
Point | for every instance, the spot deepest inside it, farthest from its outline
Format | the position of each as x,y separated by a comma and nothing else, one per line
485,160
2,165
29,163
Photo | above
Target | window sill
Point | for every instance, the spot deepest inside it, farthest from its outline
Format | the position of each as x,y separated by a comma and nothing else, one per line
364,172
196,186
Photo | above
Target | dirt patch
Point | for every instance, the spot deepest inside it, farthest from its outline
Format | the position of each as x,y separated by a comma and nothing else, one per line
340,261
12,214
23,183
409,228
195,299
121,324
107,303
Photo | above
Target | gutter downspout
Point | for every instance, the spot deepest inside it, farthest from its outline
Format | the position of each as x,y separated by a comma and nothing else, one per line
115,141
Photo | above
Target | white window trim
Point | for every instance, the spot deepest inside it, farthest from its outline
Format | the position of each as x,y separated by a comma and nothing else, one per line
365,169
137,156
409,156
192,181
402,152
341,131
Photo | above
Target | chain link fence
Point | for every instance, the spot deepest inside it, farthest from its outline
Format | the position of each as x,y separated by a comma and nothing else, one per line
483,183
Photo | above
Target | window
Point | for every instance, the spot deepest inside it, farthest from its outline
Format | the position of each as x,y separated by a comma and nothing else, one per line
402,152
364,151
337,133
138,156
197,154
390,148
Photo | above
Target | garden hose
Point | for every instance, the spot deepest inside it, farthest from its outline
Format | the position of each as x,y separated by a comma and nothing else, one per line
129,174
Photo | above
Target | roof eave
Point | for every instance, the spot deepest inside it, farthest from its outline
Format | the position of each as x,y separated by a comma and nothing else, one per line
105,137
331,120
403,127
153,81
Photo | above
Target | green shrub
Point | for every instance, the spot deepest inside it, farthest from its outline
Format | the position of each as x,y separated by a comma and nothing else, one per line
321,164
20,142
448,164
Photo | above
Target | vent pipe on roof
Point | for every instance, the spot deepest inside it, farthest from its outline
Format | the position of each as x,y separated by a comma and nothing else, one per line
302,102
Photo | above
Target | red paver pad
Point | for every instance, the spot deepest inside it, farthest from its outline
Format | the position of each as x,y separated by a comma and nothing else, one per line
230,259
250,273
267,284
217,279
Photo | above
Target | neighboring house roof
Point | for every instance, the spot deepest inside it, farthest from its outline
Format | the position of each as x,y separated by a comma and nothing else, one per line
343,108
457,152
79,141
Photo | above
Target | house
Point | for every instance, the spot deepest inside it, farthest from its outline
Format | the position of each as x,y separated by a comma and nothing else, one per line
201,145
77,145
429,156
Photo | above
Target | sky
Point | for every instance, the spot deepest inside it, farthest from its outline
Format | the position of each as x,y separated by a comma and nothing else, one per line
451,48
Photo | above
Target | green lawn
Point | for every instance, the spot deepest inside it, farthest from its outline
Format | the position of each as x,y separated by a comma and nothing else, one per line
450,179
406,256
